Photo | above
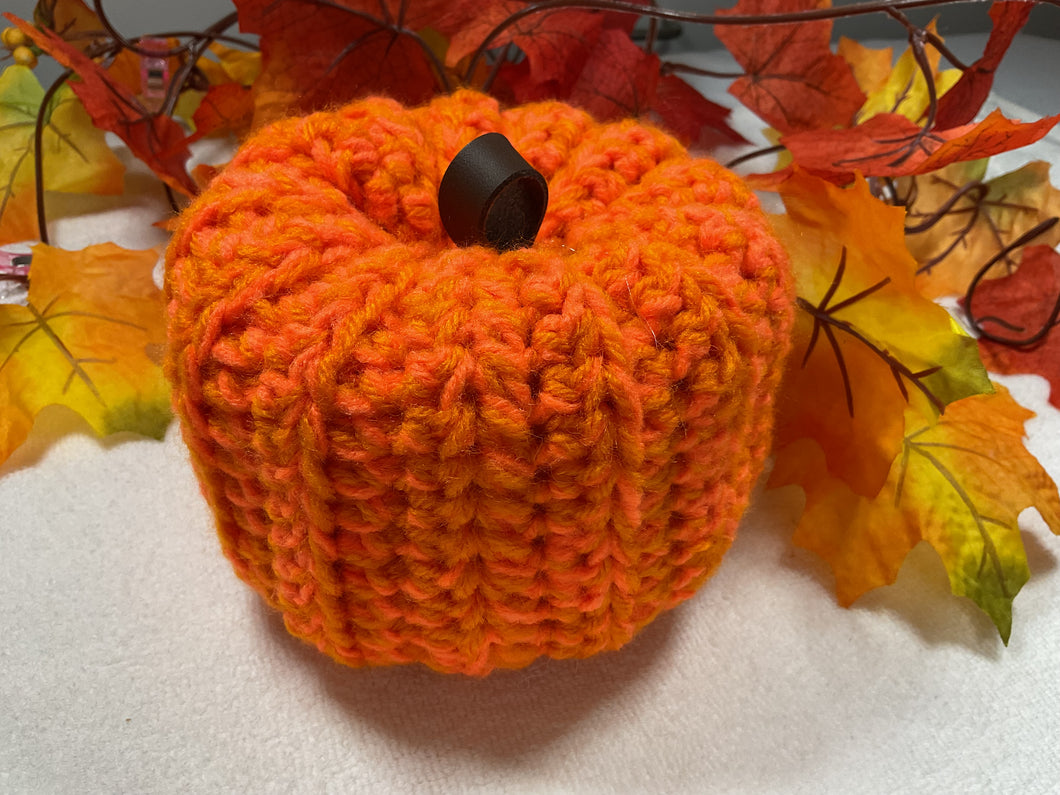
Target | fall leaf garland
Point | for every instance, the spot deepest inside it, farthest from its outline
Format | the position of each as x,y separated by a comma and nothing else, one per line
888,420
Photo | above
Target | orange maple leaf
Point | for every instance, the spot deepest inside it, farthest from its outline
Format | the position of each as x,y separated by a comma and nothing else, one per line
866,343
957,222
959,483
71,20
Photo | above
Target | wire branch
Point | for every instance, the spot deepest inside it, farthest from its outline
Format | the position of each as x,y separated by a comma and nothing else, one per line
969,296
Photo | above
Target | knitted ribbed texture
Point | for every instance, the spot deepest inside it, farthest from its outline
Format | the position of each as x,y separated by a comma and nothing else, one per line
419,452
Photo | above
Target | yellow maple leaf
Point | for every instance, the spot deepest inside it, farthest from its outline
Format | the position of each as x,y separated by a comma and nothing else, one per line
960,484
981,218
866,344
71,19
76,156
90,337
905,91
230,65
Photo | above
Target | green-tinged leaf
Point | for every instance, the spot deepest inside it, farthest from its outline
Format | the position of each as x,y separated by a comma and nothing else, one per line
90,338
76,156
965,480
960,484
866,343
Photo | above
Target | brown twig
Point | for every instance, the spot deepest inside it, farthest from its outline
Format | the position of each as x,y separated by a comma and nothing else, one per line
969,296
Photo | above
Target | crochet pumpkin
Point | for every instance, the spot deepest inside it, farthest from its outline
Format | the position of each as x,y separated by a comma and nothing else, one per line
469,458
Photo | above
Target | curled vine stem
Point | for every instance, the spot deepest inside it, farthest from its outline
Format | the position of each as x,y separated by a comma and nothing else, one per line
38,148
116,36
765,151
979,189
194,52
906,147
969,296
672,67
664,14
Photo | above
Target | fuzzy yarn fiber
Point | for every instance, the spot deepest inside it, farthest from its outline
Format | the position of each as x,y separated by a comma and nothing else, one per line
419,452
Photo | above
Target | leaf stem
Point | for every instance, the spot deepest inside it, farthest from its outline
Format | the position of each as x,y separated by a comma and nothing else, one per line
972,186
969,296
768,150
38,151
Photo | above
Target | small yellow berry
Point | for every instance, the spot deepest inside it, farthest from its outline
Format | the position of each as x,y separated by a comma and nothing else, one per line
12,38
24,56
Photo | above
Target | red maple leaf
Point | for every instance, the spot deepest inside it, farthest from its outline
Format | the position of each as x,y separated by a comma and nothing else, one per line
1016,306
322,54
960,104
692,117
619,79
405,14
557,44
889,145
228,107
793,79
157,140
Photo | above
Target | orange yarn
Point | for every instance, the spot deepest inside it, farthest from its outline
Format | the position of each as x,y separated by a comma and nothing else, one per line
469,459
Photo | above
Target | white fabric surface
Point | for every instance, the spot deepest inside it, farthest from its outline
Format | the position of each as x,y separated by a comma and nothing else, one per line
133,660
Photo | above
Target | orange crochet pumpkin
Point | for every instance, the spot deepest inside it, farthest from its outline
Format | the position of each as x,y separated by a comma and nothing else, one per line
421,452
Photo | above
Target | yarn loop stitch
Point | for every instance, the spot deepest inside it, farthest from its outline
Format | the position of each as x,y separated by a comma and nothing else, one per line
465,458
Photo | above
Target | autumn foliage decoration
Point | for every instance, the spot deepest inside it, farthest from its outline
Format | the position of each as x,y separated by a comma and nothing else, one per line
888,419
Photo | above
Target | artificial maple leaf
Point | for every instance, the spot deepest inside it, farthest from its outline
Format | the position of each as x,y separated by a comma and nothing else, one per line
227,108
71,20
88,338
76,157
793,79
226,102
960,104
619,79
866,344
396,14
889,145
556,42
124,70
203,174
317,54
871,67
1015,308
905,91
960,484
558,45
230,65
157,140
693,118
980,219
